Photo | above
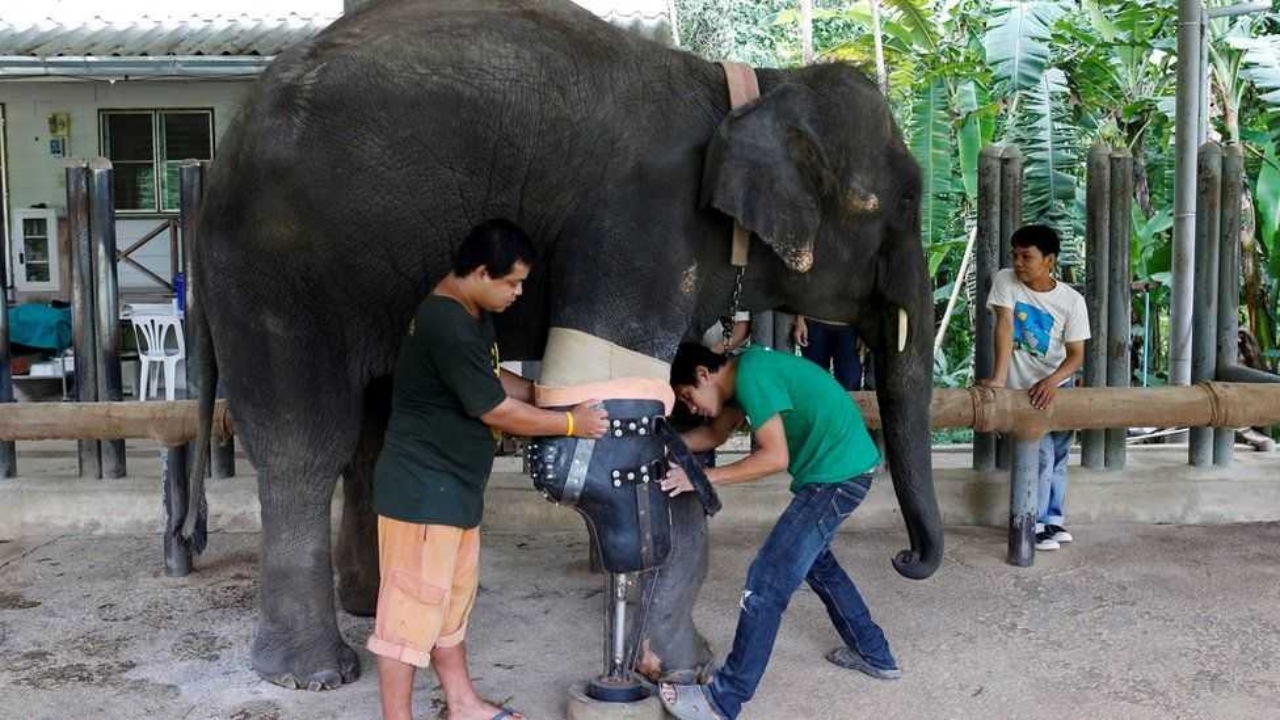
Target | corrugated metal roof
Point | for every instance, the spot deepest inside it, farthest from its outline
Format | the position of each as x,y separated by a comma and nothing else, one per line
67,28
143,36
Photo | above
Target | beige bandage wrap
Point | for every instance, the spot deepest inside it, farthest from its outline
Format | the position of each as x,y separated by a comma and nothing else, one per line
578,367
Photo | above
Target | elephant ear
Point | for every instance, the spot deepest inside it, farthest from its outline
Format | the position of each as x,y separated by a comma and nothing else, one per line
767,169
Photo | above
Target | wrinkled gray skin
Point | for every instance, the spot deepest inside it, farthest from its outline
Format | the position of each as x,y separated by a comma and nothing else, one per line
364,156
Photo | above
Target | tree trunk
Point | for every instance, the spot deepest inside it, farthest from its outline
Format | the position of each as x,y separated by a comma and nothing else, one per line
806,30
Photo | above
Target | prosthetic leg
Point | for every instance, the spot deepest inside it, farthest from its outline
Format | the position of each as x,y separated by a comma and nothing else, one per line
614,483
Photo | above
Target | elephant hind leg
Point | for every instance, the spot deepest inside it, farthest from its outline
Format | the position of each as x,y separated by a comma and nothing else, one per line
298,644
357,552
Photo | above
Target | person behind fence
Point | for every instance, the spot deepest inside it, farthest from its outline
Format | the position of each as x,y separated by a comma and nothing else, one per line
450,404
831,345
806,425
1041,326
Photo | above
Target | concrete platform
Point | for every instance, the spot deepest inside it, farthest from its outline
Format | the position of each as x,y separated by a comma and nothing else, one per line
1130,621
1157,486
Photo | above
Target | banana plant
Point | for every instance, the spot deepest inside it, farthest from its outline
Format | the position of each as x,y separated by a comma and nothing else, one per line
1018,45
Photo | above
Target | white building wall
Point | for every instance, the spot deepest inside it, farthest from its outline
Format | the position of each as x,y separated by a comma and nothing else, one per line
37,177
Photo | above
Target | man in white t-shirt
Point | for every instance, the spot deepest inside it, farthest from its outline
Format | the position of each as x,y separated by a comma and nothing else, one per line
1041,326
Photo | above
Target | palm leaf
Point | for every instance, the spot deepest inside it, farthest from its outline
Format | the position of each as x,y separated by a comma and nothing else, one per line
1049,188
970,136
1267,195
929,128
1261,59
1017,42
916,16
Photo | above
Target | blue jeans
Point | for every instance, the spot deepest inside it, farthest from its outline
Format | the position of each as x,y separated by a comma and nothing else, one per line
835,347
798,549
1055,448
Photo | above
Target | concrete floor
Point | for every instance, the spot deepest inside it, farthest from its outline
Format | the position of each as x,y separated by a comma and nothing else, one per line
1130,621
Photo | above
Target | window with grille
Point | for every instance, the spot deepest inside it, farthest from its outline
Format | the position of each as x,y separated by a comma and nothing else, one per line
146,147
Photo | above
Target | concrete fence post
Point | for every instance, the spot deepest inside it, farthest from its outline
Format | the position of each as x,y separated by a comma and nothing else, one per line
1097,271
1024,489
102,224
1119,293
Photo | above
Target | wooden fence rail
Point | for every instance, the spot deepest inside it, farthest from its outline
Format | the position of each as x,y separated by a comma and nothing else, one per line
1210,404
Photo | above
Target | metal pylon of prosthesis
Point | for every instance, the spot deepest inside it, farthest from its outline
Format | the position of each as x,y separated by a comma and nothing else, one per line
618,682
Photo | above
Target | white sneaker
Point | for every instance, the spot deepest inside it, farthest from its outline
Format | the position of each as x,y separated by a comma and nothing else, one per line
1045,541
1059,533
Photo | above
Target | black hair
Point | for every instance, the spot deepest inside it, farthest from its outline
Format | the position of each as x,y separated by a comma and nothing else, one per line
689,358
497,245
1042,237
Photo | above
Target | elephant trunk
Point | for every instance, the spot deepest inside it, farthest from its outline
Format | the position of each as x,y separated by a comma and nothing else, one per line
904,389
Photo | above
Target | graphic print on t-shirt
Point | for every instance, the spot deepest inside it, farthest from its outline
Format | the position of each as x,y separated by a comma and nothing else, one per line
1032,328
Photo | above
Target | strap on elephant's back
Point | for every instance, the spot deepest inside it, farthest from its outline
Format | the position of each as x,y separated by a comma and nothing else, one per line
743,88
683,457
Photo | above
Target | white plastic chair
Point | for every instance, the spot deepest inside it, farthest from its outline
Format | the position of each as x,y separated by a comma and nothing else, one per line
152,333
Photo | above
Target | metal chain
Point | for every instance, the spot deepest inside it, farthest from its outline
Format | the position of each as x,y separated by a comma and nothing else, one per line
726,323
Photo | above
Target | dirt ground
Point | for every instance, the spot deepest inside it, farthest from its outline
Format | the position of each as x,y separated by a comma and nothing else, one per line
1131,621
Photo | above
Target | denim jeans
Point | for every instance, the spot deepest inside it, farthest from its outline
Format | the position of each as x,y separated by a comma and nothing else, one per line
835,347
798,549
1055,449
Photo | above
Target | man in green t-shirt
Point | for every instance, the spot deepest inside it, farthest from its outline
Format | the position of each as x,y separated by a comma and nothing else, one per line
804,423
450,404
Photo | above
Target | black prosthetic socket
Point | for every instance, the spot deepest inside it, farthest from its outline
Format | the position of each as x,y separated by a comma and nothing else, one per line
615,482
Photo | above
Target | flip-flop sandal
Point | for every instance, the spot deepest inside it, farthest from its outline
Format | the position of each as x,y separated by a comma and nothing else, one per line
690,703
504,713
850,660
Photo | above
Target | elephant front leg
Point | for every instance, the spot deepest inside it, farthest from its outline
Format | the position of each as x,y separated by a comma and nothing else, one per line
298,644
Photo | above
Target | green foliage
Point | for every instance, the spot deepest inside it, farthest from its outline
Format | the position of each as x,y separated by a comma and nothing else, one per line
1051,77
931,143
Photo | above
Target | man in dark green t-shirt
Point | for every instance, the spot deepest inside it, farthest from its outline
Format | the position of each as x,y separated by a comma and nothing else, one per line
804,423
450,405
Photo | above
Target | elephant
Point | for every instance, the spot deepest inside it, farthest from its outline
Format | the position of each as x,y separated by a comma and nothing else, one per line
363,155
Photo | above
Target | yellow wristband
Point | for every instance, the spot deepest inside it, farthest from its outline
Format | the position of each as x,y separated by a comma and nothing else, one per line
568,416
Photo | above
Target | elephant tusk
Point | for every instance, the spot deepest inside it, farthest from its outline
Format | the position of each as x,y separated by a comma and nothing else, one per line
902,329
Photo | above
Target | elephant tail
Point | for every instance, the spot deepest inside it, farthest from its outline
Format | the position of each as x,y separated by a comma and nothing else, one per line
193,531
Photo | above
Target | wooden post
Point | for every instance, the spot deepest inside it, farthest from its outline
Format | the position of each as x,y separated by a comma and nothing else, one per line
1119,294
83,300
1010,221
1097,265
102,224
175,253
1204,311
8,454
1010,201
986,251
1227,354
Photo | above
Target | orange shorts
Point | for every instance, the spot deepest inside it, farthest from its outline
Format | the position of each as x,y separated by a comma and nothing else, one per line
429,578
